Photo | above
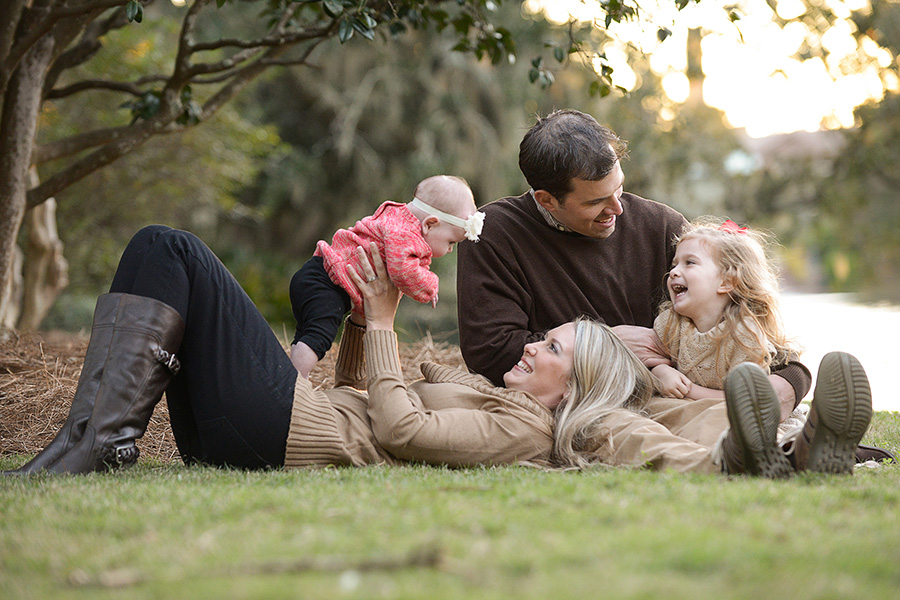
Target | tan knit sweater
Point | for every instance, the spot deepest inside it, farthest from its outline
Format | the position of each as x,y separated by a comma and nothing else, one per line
449,418
703,360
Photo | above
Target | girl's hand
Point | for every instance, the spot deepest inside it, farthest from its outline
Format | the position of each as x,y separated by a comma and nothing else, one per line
380,295
672,383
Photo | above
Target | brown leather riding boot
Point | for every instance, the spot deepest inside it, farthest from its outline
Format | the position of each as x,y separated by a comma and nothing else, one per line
750,446
88,382
838,418
141,363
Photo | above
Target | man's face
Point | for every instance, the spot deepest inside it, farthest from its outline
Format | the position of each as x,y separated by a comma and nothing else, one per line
591,207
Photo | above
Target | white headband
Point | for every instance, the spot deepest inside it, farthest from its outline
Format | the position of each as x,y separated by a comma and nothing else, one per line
472,226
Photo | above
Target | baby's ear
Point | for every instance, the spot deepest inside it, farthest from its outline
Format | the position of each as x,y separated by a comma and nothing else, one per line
429,222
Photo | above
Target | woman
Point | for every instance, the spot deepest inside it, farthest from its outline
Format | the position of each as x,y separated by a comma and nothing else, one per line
175,320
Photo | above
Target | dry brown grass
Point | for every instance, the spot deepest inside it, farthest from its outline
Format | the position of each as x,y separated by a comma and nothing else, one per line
39,374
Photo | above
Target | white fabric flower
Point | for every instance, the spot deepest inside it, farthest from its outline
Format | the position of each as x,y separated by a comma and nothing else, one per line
474,224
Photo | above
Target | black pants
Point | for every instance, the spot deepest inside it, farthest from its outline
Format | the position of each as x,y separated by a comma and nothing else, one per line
231,402
319,306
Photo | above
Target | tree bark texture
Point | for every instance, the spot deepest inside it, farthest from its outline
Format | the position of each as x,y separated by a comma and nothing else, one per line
46,269
18,124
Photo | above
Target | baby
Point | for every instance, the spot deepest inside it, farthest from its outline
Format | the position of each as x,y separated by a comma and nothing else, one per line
441,214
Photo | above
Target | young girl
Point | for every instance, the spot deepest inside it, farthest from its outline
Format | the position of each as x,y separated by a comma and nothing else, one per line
723,310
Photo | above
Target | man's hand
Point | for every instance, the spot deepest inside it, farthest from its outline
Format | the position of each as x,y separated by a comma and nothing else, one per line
644,343
786,395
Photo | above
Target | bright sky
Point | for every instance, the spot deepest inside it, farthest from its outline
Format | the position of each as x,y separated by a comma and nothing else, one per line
754,80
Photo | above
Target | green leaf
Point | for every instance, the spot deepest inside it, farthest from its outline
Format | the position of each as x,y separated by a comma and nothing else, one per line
462,23
397,28
333,8
368,20
134,12
559,54
345,31
462,46
363,28
662,33
533,75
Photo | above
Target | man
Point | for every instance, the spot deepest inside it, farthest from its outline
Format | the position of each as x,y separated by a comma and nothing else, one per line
576,243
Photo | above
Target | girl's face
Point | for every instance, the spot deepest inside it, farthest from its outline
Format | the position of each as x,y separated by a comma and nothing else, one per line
696,286
545,367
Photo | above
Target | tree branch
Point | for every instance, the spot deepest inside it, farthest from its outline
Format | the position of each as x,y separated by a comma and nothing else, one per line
99,84
77,143
88,46
183,56
54,14
100,158
282,41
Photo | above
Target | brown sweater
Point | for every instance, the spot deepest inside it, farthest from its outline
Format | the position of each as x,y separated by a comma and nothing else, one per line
524,277
449,418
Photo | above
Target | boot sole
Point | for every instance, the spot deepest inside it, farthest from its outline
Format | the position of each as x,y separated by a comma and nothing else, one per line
843,405
754,413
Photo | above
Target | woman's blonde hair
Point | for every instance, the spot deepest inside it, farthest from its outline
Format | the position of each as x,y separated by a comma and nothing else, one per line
606,377
742,255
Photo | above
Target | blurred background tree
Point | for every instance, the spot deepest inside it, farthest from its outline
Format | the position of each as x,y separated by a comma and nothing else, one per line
175,75
310,150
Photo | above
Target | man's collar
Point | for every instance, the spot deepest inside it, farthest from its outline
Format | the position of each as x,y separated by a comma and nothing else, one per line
548,216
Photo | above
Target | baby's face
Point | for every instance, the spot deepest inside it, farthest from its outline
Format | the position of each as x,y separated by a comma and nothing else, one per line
442,237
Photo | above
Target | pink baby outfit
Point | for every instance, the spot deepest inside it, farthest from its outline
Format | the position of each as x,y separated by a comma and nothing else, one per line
406,255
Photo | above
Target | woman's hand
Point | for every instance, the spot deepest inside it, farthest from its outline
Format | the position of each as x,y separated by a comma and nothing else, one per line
380,295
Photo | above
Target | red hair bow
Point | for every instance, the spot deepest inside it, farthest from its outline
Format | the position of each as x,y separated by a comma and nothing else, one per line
732,227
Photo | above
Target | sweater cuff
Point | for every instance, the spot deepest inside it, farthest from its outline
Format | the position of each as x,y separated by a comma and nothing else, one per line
350,366
382,355
796,374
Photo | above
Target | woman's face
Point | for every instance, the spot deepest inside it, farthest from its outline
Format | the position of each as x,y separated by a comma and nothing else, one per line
545,367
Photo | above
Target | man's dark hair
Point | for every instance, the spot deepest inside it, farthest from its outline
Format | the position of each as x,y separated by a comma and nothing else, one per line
565,145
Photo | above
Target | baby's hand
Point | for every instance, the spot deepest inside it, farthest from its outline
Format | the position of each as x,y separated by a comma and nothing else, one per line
672,383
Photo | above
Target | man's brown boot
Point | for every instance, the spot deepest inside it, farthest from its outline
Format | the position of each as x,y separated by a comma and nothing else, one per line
838,418
750,446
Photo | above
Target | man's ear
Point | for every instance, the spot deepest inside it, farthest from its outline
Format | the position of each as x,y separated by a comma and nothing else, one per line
547,200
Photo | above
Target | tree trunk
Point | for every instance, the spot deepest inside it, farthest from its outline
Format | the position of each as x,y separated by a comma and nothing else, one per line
46,270
18,122
12,293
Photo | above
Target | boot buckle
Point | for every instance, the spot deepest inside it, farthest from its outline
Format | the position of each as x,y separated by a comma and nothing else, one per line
168,359
126,455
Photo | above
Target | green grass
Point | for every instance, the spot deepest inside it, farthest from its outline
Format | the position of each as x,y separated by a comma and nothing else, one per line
164,531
